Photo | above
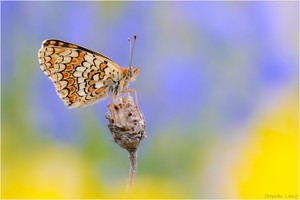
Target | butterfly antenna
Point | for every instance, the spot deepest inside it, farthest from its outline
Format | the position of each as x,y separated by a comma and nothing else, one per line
131,49
129,40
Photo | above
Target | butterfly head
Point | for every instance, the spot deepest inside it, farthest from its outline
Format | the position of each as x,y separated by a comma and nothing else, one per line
133,73
130,74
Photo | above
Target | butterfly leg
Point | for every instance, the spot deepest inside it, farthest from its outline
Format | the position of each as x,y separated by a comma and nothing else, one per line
111,107
136,100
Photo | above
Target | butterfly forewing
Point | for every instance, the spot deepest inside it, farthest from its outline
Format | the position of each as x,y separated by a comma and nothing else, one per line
79,75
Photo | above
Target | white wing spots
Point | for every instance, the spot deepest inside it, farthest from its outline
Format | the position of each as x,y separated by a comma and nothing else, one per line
77,74
48,51
92,62
48,65
81,93
107,71
61,67
64,59
86,73
113,69
77,104
73,54
94,68
40,55
88,97
98,62
63,93
86,64
58,67
81,80
61,84
47,59
89,58
48,71
99,84
96,77
80,69
56,77
82,85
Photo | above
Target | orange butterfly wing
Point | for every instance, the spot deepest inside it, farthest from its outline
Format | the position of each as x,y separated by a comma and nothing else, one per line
80,76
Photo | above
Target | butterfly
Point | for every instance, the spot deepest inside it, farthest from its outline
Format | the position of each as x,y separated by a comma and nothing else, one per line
81,76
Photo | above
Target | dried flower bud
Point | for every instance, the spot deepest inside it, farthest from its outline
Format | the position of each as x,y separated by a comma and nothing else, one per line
126,123
127,126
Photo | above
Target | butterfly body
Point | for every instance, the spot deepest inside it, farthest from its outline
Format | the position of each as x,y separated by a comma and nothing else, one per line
82,76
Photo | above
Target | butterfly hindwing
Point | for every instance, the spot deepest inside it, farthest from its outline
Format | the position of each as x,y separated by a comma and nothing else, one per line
79,75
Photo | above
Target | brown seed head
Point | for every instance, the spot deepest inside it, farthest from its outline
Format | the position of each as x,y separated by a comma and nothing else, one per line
126,123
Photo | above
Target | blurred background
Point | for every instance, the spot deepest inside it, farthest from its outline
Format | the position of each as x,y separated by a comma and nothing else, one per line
218,86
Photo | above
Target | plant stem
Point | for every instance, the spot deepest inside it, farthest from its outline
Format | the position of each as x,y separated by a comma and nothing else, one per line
132,154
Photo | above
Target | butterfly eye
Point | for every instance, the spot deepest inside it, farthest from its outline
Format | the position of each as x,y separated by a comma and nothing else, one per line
136,71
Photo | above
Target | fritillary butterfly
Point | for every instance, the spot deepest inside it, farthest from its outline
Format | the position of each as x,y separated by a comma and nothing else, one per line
81,76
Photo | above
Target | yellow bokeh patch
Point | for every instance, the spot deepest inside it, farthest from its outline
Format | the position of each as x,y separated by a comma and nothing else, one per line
270,164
